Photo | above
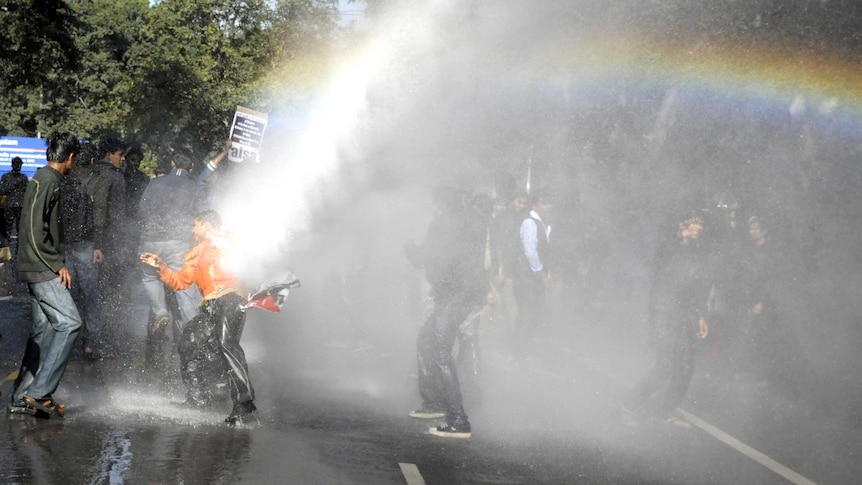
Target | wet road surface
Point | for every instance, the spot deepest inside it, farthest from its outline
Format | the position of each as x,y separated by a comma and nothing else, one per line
338,414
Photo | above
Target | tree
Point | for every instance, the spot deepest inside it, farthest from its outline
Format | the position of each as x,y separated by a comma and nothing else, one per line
38,54
197,60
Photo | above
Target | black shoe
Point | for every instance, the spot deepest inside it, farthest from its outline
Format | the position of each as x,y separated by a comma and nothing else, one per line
240,411
449,431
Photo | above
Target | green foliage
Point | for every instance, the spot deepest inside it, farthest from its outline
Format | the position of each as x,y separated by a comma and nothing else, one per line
168,74
38,52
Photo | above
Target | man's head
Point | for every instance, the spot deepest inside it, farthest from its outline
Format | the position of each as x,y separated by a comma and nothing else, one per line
756,230
87,155
207,224
111,149
447,199
17,163
519,202
62,148
181,162
134,155
690,228
542,203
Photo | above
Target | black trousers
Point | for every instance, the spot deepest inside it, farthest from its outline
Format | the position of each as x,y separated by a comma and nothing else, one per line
438,378
210,351
529,292
674,340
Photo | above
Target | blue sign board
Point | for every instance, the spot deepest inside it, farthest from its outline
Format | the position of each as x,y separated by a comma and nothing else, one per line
31,151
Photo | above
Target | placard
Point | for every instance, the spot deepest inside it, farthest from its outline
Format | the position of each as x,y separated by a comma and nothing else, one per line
246,135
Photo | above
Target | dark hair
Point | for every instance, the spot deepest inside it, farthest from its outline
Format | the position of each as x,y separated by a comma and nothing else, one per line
181,161
16,163
210,216
87,155
541,194
60,146
135,152
161,168
757,220
110,145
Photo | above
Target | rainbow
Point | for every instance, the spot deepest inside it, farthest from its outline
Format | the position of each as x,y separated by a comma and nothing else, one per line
744,77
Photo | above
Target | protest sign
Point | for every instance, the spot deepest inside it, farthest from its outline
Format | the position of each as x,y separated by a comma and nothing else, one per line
246,135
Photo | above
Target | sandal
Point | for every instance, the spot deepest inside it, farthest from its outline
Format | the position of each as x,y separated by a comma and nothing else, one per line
46,406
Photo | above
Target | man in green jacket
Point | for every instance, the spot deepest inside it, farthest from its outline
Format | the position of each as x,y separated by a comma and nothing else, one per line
41,264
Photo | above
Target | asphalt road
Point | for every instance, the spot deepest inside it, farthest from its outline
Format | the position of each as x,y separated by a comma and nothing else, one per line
338,414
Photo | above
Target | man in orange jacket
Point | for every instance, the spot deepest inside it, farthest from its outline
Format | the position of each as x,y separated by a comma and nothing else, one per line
210,342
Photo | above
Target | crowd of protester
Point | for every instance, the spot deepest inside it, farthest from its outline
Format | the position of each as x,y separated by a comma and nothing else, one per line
89,230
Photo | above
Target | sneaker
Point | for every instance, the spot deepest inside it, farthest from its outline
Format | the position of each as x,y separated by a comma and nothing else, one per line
240,411
425,413
448,431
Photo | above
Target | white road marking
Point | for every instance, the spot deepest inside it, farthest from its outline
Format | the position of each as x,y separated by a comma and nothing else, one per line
411,473
746,450
720,435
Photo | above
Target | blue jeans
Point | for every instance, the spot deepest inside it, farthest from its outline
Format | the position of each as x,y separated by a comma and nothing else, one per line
85,288
173,254
56,324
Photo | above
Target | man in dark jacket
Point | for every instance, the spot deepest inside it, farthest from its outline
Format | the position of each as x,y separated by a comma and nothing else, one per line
167,211
41,256
108,189
452,256
81,255
12,185
677,312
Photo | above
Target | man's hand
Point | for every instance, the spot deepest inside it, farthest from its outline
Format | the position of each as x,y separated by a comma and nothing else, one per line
703,328
65,278
758,309
97,256
153,260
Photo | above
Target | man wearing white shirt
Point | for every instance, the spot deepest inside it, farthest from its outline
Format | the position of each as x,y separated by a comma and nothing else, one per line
534,278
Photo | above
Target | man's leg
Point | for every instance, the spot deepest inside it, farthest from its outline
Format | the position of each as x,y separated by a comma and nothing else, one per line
527,295
430,385
230,321
201,362
681,367
447,325
79,262
660,371
31,360
64,324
